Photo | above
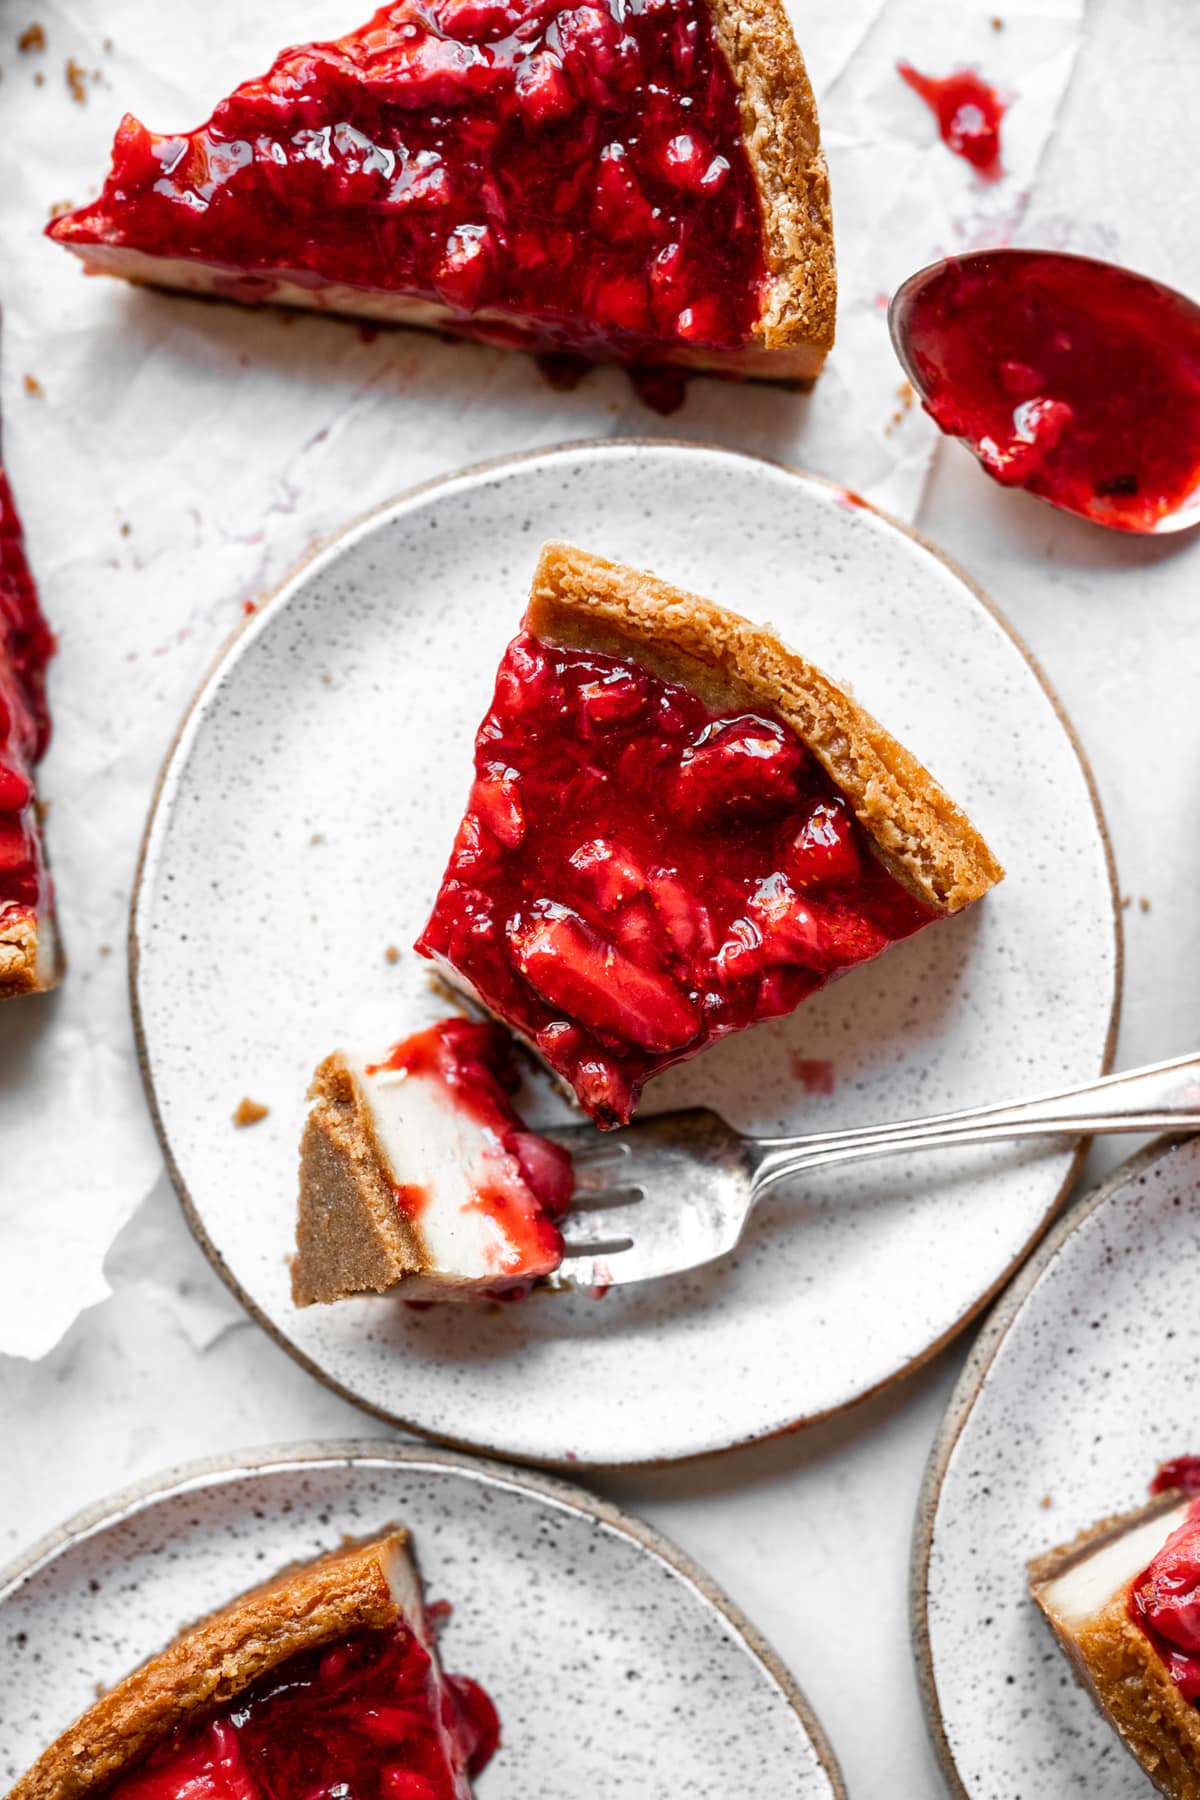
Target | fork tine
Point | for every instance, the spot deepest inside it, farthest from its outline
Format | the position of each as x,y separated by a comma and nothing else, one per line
591,1183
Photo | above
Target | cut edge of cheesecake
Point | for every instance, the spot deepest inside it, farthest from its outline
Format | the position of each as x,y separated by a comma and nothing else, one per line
794,331
1114,1660
367,1585
925,841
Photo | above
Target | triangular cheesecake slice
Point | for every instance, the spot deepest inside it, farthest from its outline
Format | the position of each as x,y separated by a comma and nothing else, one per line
324,1681
417,1173
30,957
641,184
677,828
1123,1600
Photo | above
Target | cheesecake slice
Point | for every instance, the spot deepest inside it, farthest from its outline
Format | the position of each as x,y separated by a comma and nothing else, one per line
642,184
30,956
324,1681
1123,1600
417,1174
677,828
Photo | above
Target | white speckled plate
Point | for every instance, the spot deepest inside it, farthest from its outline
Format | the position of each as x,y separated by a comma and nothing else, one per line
616,1665
1081,1383
302,826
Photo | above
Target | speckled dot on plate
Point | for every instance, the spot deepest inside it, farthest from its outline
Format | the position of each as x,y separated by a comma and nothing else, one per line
302,828
617,1668
1081,1384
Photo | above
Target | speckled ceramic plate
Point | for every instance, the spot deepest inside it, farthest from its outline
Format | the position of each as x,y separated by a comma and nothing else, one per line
1080,1385
617,1667
301,829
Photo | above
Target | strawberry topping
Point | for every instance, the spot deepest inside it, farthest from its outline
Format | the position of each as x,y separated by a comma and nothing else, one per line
1165,1602
680,873
571,177
26,645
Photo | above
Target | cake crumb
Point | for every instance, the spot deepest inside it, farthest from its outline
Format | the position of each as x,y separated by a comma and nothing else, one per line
126,528
107,46
249,1112
997,23
326,677
33,386
318,837
1144,903
39,79
1046,1502
59,207
106,949
391,954
1126,902
76,76
32,38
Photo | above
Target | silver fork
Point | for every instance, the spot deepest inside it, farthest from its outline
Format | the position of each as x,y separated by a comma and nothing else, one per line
674,1192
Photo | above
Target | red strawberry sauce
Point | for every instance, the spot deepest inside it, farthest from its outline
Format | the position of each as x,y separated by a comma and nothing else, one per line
1165,1600
1068,377
968,113
524,1181
637,876
580,167
366,1718
26,645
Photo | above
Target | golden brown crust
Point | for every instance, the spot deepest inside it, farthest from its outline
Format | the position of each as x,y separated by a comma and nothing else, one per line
30,953
208,1665
783,142
351,1237
1117,1664
926,841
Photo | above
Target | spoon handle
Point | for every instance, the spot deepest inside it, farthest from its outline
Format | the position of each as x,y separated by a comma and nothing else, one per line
1163,1096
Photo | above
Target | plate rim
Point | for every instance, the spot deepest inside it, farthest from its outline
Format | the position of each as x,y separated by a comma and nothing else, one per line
967,1390
273,600
125,1503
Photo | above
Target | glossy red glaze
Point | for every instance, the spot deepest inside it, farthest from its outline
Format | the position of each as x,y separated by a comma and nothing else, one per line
637,876
524,1181
968,113
1165,1602
26,645
574,173
1182,1473
1073,379
367,1717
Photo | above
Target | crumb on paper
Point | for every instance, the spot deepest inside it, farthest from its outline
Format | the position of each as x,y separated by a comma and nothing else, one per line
106,949
391,954
816,1075
326,677
76,76
32,38
249,1112
126,528
60,207
1126,902
997,23
39,79
33,386
1144,903
1046,1502
318,837
107,46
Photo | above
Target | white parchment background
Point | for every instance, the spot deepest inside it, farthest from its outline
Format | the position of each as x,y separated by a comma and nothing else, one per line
226,441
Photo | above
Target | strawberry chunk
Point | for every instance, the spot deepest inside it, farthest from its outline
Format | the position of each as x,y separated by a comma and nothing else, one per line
744,768
547,1168
496,802
614,700
823,852
573,968
685,919
15,791
777,927
613,875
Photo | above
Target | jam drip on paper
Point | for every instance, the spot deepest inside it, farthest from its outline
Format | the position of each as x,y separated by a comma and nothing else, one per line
968,113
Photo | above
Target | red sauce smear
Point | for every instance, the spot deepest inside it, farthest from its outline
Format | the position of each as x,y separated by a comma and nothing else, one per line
26,646
572,177
637,875
525,1182
366,1717
1067,377
968,113
1165,1602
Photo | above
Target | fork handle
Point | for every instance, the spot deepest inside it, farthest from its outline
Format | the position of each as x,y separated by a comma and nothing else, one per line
1163,1096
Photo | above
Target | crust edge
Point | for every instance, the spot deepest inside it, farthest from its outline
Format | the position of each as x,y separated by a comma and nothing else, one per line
922,837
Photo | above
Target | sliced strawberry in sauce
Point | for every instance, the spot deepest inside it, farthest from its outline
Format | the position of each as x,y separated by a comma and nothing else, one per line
610,872
778,927
547,1168
823,852
496,802
738,768
617,699
685,919
572,966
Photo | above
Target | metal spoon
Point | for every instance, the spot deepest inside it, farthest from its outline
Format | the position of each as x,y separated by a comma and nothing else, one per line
1070,377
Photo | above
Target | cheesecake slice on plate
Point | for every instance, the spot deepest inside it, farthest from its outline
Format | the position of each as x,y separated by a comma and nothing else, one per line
678,827
1123,1600
30,956
642,184
418,1175
324,1681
